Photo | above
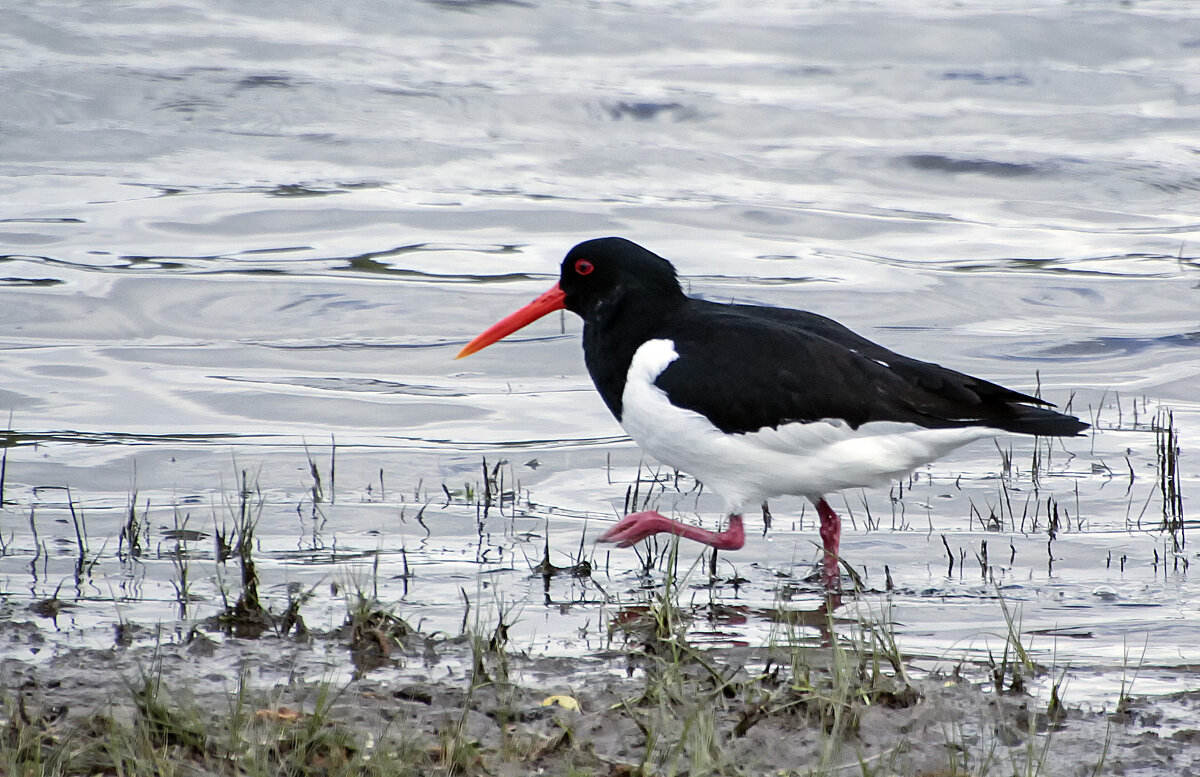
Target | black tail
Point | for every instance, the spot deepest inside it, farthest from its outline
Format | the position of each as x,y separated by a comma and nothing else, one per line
1025,419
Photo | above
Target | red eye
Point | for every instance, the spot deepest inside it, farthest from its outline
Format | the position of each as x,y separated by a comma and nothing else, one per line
584,267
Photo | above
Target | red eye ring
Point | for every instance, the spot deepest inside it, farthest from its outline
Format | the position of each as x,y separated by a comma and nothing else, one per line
584,267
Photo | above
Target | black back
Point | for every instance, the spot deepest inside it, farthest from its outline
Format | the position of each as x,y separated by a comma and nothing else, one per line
746,367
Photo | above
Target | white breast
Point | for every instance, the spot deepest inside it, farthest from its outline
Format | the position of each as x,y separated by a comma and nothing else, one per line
803,459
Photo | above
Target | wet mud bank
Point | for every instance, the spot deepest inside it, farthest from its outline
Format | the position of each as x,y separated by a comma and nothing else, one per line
197,703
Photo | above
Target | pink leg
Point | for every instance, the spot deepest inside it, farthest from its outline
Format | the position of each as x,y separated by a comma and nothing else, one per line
831,537
636,527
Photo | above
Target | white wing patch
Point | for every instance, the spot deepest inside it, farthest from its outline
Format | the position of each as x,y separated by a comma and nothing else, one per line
803,459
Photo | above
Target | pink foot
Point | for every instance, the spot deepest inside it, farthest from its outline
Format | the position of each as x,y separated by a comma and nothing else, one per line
636,527
831,537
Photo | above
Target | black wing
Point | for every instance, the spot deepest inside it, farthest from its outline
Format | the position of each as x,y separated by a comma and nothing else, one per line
748,367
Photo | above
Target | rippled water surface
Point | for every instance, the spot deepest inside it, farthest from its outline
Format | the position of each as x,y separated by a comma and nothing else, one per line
241,244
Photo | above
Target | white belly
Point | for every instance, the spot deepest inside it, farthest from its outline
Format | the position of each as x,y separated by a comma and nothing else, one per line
802,459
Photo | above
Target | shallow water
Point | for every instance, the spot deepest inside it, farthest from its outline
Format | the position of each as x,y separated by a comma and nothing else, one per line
243,239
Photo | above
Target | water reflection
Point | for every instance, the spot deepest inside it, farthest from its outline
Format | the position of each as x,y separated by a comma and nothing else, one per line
265,265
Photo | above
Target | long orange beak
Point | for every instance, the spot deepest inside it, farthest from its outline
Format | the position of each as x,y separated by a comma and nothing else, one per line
549,302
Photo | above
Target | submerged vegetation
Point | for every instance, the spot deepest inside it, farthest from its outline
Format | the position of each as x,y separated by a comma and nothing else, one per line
837,700
263,667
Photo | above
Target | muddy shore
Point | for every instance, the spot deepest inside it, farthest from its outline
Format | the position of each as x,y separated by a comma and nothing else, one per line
209,704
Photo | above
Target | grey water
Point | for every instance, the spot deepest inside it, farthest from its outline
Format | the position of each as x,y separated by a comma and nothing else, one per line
250,238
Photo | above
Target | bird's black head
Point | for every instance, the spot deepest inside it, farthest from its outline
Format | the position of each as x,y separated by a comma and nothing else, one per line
602,274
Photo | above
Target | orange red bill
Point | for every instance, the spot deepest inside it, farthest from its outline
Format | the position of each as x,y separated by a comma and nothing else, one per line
549,302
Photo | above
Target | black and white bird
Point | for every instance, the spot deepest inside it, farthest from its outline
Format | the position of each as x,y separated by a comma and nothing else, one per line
757,402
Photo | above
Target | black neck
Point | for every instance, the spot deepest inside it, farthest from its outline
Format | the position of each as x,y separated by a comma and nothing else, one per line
613,333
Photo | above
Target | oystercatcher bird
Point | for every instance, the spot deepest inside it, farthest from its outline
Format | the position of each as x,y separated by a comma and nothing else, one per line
756,401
